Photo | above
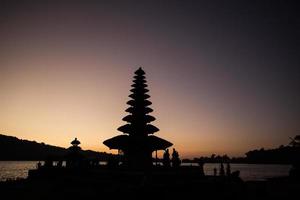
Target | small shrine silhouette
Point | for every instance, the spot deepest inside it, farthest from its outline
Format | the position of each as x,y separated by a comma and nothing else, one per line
74,158
138,142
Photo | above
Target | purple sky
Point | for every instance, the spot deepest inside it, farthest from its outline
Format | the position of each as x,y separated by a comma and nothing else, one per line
224,76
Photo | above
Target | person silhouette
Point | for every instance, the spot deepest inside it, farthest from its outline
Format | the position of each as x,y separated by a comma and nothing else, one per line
201,164
39,165
166,158
215,171
175,159
222,172
59,163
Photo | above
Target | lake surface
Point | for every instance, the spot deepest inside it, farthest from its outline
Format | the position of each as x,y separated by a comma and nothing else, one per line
251,172
19,169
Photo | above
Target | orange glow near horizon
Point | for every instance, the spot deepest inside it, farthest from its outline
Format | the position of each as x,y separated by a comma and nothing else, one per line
57,105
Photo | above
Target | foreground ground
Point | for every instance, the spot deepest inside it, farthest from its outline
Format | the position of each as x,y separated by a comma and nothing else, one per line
138,185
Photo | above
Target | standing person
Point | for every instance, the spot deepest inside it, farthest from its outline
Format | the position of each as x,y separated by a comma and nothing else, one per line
39,165
215,171
175,159
201,164
222,172
166,158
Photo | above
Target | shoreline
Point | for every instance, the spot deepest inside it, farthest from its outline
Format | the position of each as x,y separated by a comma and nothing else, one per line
183,163
251,172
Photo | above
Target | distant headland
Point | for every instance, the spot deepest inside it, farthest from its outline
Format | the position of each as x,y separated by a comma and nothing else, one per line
13,148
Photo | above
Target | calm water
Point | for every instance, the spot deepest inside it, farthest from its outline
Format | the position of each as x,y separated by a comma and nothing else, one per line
19,169
250,172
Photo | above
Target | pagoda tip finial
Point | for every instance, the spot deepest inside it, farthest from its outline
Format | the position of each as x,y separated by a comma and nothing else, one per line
140,71
75,142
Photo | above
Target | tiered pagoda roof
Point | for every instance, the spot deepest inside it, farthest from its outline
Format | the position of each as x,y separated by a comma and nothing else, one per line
138,141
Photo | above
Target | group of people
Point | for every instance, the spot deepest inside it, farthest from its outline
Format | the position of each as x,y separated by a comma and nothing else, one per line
227,172
174,161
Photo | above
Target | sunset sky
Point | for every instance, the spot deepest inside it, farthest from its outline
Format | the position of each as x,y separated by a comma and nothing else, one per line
224,76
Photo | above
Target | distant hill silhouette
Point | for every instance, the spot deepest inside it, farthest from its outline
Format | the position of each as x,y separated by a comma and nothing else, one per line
12,148
281,155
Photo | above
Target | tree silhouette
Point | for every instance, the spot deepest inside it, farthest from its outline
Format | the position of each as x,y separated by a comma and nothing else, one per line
295,141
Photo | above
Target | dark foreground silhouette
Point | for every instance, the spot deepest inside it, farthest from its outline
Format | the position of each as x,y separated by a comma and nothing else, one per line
138,141
158,184
79,178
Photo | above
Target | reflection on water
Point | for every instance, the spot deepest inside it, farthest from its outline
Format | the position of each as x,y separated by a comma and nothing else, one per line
15,169
19,169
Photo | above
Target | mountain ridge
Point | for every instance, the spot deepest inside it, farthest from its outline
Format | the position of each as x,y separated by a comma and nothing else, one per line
13,148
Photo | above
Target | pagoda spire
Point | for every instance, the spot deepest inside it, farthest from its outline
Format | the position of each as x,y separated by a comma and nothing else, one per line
137,141
138,120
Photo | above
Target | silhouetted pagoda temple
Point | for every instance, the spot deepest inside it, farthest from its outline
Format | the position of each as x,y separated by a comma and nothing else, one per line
138,142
